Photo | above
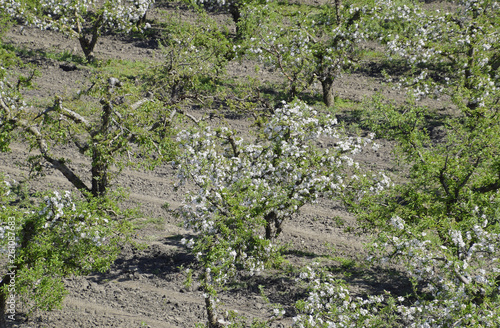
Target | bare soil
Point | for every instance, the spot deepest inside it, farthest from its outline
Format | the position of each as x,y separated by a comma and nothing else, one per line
145,287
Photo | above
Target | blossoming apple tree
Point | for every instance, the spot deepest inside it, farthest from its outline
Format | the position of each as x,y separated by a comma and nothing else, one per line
308,46
246,190
42,243
47,236
454,54
84,20
454,285
454,165
443,224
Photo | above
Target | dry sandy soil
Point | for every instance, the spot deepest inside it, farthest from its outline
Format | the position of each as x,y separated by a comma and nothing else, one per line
144,288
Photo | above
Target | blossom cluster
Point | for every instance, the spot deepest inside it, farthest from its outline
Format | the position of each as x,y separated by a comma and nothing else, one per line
471,257
330,304
460,42
70,16
61,216
243,187
460,276
52,239
305,47
460,281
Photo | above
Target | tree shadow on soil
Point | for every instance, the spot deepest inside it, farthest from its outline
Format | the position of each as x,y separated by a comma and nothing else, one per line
160,260
42,57
284,288
376,280
434,122
277,287
374,69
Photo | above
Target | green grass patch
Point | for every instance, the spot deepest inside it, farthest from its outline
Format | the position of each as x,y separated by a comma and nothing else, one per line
125,69
63,56
157,222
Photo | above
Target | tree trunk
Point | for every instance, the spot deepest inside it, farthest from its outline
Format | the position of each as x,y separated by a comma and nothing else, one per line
99,176
100,164
88,48
328,95
272,220
142,21
236,15
211,314
338,3
68,173
495,63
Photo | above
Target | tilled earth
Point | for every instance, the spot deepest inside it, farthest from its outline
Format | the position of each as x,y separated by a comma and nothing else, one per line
145,287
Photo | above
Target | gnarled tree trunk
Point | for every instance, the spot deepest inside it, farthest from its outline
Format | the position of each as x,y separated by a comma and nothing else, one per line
272,220
211,314
86,44
99,172
328,95
234,10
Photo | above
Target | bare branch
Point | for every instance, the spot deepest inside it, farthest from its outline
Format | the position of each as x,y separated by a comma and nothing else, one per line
191,117
139,103
467,177
56,163
442,178
461,278
75,117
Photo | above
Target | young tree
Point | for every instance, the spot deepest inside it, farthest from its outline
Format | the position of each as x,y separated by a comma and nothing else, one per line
84,20
456,285
235,7
307,46
192,71
457,170
106,133
45,239
42,243
195,56
454,54
246,190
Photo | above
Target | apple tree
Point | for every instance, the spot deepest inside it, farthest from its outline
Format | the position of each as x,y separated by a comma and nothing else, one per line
84,20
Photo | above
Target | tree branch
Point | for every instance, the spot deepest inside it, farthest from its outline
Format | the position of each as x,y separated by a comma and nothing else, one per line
43,148
75,117
442,178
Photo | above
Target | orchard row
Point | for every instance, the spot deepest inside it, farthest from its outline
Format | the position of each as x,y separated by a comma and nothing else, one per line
441,224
